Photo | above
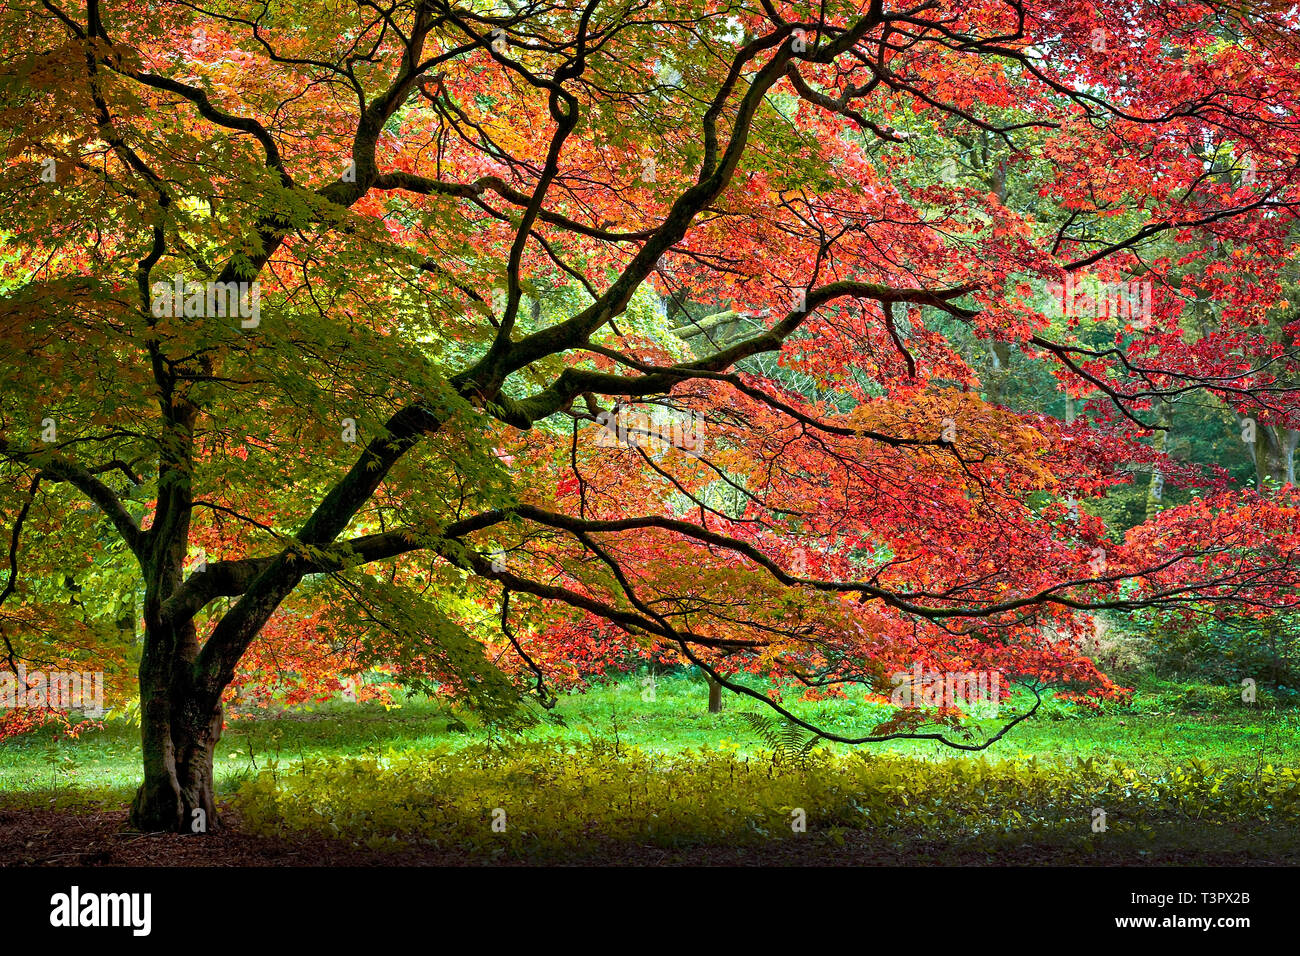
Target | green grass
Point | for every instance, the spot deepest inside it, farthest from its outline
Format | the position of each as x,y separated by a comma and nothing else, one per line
1167,725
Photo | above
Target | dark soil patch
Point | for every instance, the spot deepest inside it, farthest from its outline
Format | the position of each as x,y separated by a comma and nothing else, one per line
101,837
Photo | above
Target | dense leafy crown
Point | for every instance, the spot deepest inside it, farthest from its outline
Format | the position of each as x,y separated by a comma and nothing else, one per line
575,332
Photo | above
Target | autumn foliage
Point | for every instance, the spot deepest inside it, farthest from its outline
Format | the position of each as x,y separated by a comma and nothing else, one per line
595,334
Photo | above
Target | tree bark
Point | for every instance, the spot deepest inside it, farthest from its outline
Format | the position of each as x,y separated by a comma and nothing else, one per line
1275,449
179,741
1159,442
995,378
179,729
715,696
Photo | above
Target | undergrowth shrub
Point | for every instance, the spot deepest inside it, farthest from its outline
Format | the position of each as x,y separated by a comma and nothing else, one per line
558,798
1217,648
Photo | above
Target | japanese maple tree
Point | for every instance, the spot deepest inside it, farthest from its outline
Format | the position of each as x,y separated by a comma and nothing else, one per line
478,333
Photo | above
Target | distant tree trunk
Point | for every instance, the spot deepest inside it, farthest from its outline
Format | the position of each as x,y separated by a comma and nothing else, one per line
996,377
1275,449
715,696
1156,488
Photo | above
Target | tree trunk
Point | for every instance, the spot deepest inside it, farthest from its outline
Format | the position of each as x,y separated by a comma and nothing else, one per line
179,746
1275,449
715,696
179,730
1159,442
995,378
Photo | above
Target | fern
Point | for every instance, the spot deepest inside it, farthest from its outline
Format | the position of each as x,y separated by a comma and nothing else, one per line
787,741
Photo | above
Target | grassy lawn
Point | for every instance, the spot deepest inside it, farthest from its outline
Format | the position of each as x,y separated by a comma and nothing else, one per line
1165,725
